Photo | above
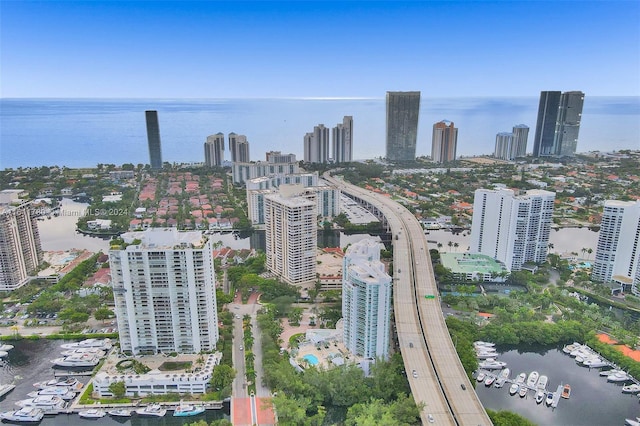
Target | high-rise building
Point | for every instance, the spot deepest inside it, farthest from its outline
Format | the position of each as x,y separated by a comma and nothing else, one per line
366,301
512,229
558,124
164,292
153,138
403,109
618,251
279,157
343,141
316,145
20,250
444,142
504,143
214,150
520,137
239,148
291,234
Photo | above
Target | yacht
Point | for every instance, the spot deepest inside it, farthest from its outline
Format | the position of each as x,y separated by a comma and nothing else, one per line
3,354
492,364
620,376
504,374
154,410
92,413
634,388
549,399
523,391
631,422
70,382
104,344
513,389
480,343
5,389
606,373
481,377
533,379
570,348
84,351
499,382
566,391
188,410
86,360
595,362
23,415
6,348
121,412
489,380
63,392
540,396
542,382
521,378
50,404
486,354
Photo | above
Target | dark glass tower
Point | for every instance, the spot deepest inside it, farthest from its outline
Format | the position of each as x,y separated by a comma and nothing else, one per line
403,109
153,136
559,116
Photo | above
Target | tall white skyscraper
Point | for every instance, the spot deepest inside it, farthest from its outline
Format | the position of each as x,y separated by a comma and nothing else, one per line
618,251
20,250
366,301
504,143
512,229
316,145
291,234
343,141
239,148
164,292
444,142
214,150
520,138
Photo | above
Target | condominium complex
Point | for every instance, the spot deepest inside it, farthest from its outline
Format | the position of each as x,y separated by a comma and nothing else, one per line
366,301
164,292
214,150
279,157
20,250
153,138
403,109
243,172
512,229
510,146
504,142
291,235
239,148
316,145
558,125
444,142
342,143
618,251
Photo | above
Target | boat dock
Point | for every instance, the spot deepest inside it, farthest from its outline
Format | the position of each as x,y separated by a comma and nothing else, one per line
556,396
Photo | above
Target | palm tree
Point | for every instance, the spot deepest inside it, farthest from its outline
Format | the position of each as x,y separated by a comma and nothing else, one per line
439,246
456,245
449,244
584,250
589,251
551,246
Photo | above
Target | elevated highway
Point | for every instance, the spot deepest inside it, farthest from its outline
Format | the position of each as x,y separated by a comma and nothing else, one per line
435,373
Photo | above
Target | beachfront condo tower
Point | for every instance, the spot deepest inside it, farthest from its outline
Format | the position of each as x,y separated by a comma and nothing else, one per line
403,109
153,138
558,125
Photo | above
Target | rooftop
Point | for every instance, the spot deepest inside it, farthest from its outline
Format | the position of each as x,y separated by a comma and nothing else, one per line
163,238
467,263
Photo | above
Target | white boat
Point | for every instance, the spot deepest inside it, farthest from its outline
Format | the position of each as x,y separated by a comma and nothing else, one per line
104,344
6,347
513,389
82,351
486,355
533,379
188,410
631,422
504,374
595,362
521,378
620,376
5,389
481,376
499,382
92,413
69,382
85,360
633,388
50,404
483,344
542,382
3,354
606,373
489,380
61,391
523,391
549,399
540,396
23,415
492,364
154,410
567,349
119,413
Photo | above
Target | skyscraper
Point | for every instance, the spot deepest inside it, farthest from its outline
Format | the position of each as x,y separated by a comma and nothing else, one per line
316,145
618,252
444,142
153,138
504,143
214,150
343,141
20,250
164,292
366,301
520,138
558,124
239,148
291,237
512,229
403,109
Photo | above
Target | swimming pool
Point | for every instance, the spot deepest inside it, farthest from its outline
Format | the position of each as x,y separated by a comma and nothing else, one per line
311,359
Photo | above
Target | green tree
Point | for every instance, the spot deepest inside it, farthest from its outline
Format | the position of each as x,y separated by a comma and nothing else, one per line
102,314
222,378
118,389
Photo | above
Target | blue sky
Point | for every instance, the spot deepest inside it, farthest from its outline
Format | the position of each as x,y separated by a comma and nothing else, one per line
210,49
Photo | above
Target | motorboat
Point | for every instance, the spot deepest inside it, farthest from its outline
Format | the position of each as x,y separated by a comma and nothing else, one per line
153,410
513,389
92,413
23,415
6,348
549,399
620,376
595,362
489,380
188,410
499,382
633,388
566,391
121,412
104,344
5,389
533,379
540,396
481,377
542,382
69,382
492,364
82,351
606,373
521,378
486,355
61,391
504,374
631,422
523,391
3,354
480,343
567,349
85,360
50,404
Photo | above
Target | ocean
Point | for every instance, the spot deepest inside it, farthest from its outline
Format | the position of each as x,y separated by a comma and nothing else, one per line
86,132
